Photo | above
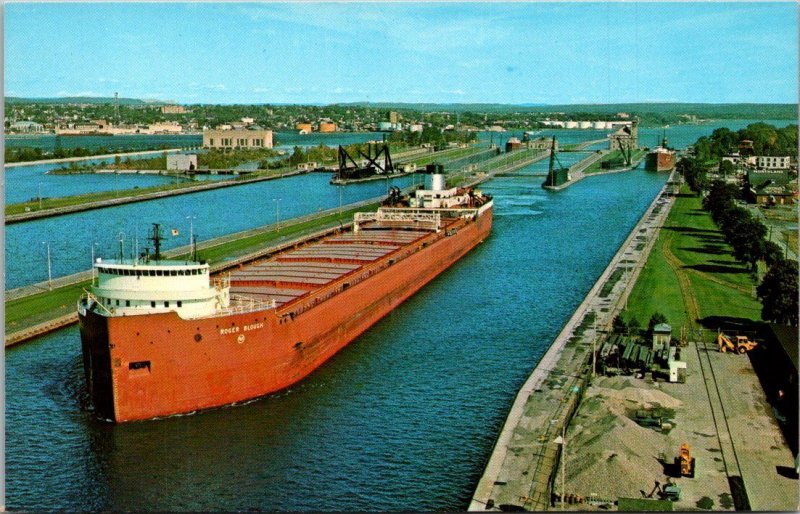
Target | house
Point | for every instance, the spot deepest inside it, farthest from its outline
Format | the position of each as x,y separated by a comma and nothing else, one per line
662,336
770,187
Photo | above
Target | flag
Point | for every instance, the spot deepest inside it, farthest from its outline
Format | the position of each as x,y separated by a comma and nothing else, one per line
175,232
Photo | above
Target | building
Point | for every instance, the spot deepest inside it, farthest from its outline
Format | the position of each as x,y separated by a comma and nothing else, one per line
248,121
393,117
513,144
164,128
172,109
770,187
182,162
627,136
27,126
773,163
304,128
542,143
662,336
237,139
327,126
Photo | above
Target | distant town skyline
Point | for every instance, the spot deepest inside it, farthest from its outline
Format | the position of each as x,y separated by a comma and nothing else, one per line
512,53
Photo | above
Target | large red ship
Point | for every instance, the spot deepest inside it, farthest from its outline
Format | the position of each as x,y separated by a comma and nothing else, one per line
162,337
662,158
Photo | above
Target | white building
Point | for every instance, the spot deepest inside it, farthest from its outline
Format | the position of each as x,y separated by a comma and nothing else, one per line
27,126
772,163
237,139
182,162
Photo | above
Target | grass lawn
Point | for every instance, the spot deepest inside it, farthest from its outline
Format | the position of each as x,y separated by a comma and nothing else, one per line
690,244
42,307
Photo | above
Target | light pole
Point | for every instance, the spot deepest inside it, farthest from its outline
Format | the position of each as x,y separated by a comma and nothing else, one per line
49,272
277,212
562,440
92,268
191,233
121,246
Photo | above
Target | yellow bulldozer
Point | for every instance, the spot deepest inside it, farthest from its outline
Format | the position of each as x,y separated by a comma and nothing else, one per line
741,345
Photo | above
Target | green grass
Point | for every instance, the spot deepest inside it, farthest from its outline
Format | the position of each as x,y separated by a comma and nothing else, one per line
41,307
721,285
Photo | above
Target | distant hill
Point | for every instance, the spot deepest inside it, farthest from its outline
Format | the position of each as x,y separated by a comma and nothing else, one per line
702,110
83,100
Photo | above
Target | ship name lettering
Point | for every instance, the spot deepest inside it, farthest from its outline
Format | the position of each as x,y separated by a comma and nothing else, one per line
253,326
226,331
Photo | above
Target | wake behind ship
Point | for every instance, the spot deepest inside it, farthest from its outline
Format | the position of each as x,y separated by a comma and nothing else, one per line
161,338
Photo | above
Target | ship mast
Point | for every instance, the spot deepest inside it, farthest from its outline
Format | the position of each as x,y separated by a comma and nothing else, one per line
156,239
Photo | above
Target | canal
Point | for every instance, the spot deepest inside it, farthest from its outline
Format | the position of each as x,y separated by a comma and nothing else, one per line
402,419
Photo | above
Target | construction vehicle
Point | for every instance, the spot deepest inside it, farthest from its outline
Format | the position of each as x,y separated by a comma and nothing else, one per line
685,462
742,344
670,491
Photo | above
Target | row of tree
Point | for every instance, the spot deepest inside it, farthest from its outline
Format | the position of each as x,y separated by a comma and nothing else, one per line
747,236
767,140
432,135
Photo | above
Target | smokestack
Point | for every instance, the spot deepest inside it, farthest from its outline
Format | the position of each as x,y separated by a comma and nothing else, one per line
437,182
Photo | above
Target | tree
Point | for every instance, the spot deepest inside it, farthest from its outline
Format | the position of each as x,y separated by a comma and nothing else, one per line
773,253
748,241
634,327
726,168
778,293
656,319
618,326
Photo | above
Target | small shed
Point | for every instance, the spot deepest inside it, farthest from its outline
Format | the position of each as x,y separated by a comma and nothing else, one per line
182,162
662,336
677,368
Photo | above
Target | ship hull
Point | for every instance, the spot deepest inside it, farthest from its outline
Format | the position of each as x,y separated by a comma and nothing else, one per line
660,161
168,365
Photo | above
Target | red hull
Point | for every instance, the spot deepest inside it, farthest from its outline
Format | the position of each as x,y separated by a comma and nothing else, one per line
185,365
660,161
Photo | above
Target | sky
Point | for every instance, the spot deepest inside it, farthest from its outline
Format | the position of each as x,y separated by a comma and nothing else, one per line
479,52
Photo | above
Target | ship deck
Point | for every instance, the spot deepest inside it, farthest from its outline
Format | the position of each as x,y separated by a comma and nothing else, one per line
296,274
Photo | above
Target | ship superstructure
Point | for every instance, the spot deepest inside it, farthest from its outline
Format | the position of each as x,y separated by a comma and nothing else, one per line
163,337
662,158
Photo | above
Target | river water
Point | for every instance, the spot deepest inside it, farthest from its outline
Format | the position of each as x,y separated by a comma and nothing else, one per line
402,419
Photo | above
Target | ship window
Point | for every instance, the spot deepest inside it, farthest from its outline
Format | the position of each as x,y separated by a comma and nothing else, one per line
117,302
172,273
180,303
158,272
152,304
139,365
166,304
127,303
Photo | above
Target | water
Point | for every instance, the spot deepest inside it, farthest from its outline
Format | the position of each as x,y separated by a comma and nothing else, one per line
404,418
217,212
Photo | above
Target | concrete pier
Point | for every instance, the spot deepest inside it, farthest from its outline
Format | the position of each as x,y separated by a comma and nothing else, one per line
522,467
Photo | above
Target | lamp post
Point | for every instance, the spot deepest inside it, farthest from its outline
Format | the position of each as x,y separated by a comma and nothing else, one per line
191,233
121,246
277,212
49,269
92,268
563,442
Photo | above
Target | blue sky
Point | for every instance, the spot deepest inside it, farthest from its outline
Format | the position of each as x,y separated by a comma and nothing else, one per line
410,52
